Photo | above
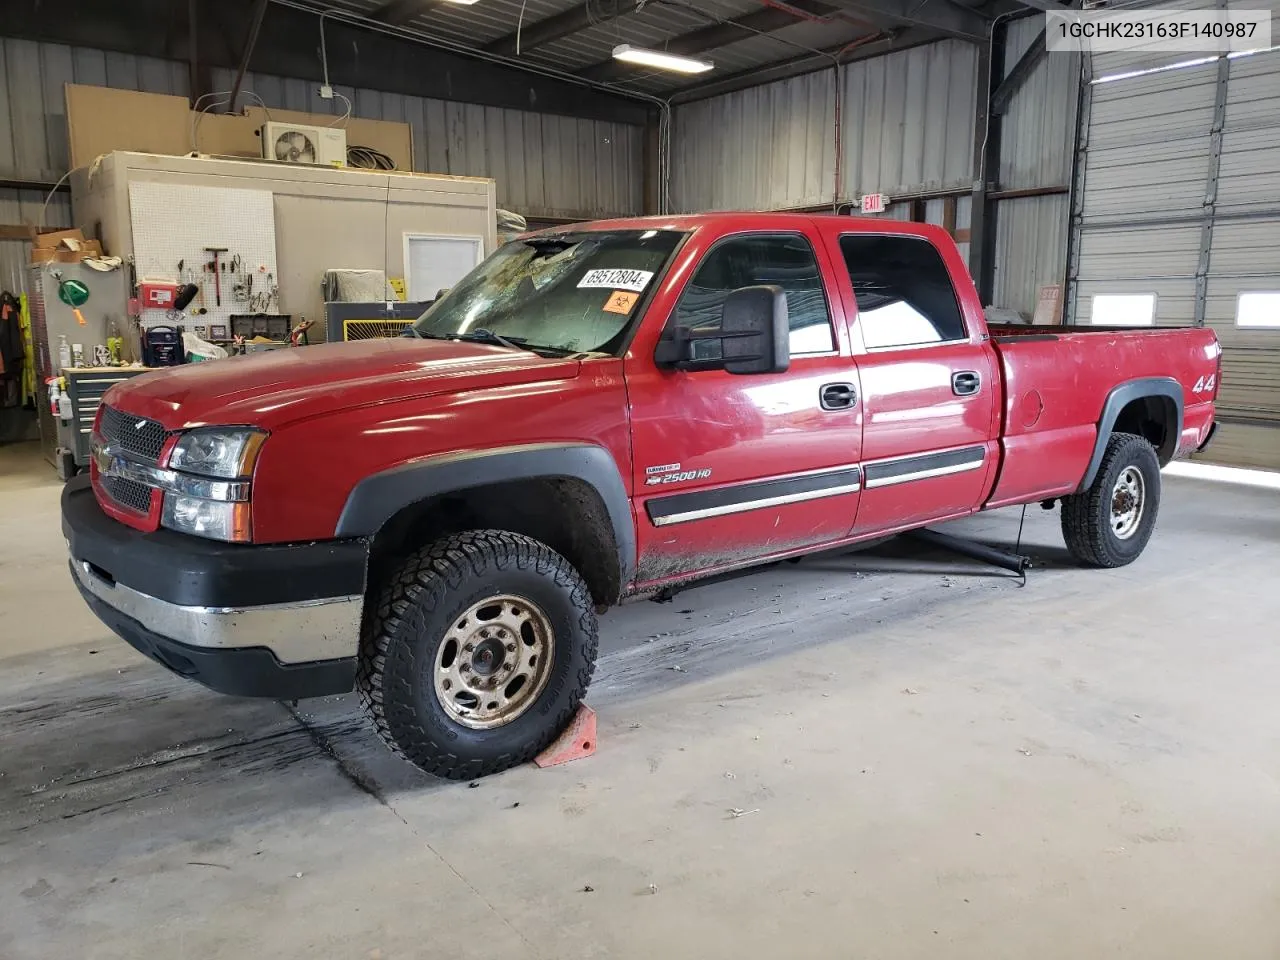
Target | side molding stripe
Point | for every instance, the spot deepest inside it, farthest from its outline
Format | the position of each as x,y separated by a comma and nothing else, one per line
882,473
699,504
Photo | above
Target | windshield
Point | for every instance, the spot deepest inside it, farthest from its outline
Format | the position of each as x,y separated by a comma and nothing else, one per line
573,292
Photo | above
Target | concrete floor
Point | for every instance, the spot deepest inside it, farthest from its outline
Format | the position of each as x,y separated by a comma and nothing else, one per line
929,761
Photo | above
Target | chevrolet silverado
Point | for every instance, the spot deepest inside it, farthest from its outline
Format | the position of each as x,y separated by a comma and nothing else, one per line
597,413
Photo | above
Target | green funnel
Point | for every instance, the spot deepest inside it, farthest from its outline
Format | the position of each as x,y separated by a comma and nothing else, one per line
73,293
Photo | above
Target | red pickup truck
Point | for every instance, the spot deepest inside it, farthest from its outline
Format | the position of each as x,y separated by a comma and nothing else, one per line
594,414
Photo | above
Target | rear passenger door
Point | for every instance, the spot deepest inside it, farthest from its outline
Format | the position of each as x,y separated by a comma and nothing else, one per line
730,468
929,384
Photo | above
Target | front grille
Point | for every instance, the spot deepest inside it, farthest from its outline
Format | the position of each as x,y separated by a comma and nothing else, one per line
137,435
128,493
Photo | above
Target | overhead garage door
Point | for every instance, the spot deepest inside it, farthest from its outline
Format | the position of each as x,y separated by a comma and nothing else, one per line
1176,220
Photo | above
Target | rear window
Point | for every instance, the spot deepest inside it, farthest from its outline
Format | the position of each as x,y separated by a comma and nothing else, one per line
904,293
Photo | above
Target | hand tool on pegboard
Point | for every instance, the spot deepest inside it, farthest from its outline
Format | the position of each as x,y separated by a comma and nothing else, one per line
217,275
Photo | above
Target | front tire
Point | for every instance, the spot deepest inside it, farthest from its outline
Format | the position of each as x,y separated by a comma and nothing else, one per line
478,651
1109,524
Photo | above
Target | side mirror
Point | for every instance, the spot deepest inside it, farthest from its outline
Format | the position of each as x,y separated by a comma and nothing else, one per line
753,336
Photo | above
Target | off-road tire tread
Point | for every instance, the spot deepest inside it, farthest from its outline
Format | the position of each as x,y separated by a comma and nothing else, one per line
416,588
1086,515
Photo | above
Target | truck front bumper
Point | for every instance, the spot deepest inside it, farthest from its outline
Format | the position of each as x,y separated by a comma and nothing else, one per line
279,620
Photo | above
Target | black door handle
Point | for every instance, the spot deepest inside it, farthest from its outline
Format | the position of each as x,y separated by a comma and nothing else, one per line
965,383
837,396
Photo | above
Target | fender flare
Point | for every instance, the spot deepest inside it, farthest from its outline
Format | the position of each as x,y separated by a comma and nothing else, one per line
1120,397
377,498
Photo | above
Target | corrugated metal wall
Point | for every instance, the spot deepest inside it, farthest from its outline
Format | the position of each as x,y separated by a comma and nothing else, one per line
545,166
1180,199
23,206
906,128
1036,148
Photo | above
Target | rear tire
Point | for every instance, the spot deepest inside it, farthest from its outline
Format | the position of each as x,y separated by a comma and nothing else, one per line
1109,524
506,600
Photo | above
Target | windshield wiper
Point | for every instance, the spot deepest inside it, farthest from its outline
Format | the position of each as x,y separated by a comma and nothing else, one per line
481,335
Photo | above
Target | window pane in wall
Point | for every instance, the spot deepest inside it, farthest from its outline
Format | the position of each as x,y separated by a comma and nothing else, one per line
1258,308
1123,309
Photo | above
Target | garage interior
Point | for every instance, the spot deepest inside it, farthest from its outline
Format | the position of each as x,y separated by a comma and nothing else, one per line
889,751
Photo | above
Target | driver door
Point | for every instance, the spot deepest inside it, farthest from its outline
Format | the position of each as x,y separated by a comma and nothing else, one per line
732,468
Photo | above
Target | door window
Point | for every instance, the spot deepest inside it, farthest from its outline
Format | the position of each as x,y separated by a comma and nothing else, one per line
904,293
786,261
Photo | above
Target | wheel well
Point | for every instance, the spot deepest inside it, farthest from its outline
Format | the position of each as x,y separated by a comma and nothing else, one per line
565,513
1155,419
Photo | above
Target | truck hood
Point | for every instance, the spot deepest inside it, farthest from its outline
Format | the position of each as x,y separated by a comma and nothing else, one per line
272,388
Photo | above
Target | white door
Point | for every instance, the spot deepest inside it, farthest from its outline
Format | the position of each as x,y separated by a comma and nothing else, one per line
435,263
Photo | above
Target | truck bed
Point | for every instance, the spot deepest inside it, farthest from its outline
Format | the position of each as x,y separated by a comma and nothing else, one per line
1051,373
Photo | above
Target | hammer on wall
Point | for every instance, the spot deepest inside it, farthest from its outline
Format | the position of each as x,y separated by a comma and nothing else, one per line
217,280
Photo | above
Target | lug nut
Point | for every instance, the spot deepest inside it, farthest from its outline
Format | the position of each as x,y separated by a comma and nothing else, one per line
511,648
468,647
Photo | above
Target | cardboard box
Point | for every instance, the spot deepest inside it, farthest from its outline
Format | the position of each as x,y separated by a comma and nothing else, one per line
64,254
54,238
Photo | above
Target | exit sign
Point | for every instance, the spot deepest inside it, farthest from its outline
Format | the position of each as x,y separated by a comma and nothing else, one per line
873,203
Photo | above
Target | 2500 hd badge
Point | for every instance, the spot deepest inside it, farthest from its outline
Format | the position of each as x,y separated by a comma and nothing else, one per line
671,473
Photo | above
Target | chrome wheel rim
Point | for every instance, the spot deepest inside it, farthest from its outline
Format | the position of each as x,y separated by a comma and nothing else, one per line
494,661
1128,499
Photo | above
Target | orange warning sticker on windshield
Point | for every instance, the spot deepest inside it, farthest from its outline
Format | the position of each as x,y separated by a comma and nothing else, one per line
620,301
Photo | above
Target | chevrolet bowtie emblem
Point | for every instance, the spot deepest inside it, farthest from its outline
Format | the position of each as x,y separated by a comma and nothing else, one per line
140,424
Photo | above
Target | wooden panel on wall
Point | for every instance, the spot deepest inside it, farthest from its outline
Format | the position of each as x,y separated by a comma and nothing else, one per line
103,119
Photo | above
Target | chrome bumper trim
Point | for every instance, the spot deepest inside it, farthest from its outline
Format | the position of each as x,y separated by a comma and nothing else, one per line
112,461
294,632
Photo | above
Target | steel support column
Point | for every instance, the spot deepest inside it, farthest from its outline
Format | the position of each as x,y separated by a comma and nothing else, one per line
1209,211
251,41
986,166
1079,167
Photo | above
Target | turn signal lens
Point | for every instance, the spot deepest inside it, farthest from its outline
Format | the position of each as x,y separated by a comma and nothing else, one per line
215,519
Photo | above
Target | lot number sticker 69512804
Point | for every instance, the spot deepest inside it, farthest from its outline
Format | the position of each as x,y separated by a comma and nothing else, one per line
617,278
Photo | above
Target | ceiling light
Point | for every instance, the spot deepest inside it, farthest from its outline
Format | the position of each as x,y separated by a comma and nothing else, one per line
660,60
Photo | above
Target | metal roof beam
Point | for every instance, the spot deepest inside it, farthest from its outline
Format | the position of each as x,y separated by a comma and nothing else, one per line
809,63
1023,69
946,17
554,28
359,56
399,12
719,34
251,41
1045,5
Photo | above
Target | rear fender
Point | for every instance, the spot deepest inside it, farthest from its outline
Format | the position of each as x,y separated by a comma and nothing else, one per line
1119,398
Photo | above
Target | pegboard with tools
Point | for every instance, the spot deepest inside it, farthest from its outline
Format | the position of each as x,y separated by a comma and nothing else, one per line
222,239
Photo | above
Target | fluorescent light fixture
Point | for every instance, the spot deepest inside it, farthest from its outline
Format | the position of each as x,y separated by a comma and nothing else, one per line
660,60
1180,65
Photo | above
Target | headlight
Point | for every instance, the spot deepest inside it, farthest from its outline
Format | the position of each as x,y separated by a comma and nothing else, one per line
216,519
228,453
198,498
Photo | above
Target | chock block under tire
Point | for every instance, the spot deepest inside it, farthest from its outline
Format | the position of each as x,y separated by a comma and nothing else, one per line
577,741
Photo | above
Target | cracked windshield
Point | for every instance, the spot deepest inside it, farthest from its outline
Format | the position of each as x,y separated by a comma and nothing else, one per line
570,293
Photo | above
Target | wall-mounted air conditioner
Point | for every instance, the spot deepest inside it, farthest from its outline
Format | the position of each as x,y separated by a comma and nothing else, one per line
300,143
